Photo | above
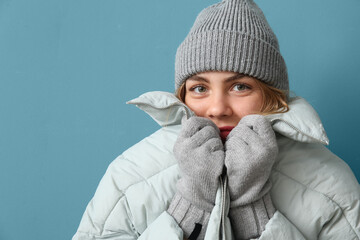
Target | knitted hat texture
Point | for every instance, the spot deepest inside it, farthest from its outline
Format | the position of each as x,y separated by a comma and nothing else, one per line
232,35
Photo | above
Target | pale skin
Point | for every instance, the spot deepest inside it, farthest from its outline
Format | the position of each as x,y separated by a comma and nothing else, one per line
223,97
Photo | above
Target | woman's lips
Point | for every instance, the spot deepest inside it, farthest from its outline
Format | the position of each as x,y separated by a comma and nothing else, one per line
224,131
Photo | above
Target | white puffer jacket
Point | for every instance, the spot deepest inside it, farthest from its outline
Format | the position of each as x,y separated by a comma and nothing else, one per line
315,192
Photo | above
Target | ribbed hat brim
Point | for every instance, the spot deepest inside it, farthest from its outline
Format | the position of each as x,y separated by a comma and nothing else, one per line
221,50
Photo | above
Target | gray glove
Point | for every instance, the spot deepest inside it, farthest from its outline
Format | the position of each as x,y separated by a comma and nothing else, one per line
251,150
200,154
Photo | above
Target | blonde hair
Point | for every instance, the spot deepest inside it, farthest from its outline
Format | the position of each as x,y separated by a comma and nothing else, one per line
274,99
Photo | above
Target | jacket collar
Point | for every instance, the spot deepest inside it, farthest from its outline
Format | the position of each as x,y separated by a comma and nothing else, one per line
301,123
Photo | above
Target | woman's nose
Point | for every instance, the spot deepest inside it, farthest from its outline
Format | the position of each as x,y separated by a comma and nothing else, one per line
219,107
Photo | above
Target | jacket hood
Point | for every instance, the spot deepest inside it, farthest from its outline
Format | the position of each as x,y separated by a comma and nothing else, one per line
301,123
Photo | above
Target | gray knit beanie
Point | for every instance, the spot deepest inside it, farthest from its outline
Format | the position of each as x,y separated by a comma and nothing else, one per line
232,35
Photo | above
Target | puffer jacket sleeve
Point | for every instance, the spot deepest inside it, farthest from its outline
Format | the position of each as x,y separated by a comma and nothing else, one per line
133,195
316,191
163,228
107,215
280,228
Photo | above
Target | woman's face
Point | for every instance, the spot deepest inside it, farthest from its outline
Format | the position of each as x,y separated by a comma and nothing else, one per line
223,97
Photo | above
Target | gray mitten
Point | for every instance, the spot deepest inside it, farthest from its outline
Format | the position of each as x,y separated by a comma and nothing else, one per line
251,150
200,154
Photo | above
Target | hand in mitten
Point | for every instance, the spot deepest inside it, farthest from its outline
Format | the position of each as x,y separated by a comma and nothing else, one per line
251,150
200,154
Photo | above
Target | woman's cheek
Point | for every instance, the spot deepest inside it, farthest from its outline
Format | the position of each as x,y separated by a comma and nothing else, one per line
197,107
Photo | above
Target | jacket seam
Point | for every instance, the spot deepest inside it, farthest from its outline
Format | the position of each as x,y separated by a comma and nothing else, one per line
107,217
326,196
123,191
301,132
94,236
128,213
143,179
129,216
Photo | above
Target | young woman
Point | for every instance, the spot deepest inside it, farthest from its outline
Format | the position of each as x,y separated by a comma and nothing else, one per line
236,157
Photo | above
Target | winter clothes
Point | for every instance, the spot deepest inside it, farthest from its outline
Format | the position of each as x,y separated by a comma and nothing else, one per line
315,193
251,150
232,35
200,155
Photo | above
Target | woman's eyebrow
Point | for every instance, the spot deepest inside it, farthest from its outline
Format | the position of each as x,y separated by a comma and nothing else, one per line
197,78
235,77
229,79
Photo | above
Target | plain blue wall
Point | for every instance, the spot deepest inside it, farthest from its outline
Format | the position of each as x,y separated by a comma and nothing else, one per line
68,67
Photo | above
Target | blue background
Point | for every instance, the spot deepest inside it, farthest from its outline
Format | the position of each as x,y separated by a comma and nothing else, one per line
68,67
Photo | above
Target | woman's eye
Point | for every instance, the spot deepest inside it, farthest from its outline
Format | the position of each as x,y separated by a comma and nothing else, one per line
240,87
199,89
